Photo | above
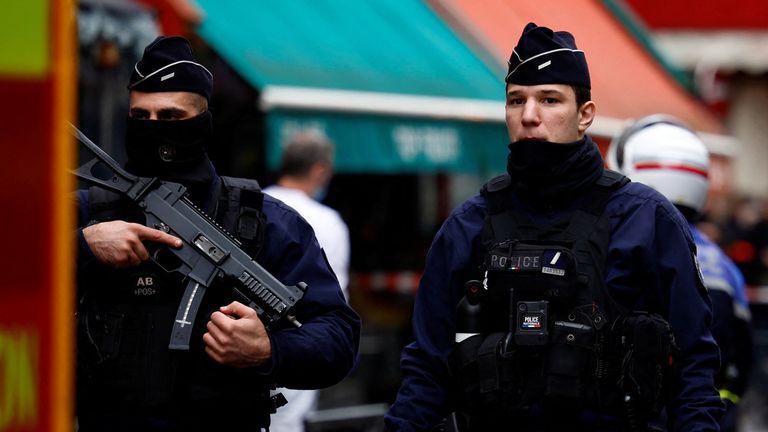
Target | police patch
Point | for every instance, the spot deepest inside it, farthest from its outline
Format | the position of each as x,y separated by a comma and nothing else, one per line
144,285
531,321
554,263
515,262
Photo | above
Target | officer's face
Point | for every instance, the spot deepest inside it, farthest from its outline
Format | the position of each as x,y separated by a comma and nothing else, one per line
546,112
166,105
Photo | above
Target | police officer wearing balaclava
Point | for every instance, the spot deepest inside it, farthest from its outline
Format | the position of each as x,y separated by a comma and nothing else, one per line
128,379
563,296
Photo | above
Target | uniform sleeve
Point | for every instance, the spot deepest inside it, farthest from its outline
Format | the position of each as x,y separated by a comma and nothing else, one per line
736,330
652,265
324,350
422,398
84,254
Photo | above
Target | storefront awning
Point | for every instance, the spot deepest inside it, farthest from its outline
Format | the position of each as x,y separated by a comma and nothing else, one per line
627,82
728,51
387,81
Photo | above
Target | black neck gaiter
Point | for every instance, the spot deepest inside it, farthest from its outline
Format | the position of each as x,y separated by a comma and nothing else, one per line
545,173
173,151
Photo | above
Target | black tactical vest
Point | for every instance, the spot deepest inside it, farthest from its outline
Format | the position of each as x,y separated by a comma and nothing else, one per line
124,325
547,335
546,343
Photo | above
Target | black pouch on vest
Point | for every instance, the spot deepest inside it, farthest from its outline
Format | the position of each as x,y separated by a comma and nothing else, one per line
648,348
570,360
484,380
99,337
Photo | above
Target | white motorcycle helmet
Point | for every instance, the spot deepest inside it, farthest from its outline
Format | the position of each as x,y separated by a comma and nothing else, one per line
662,153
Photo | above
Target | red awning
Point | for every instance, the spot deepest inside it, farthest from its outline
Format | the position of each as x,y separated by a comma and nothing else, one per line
626,80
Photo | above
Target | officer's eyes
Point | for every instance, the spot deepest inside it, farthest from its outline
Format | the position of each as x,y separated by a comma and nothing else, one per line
171,114
166,116
139,114
545,101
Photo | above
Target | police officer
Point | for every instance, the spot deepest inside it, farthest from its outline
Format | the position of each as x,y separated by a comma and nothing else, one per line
128,379
661,152
563,297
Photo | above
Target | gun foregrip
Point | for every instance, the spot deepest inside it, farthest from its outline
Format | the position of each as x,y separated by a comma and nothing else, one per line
271,306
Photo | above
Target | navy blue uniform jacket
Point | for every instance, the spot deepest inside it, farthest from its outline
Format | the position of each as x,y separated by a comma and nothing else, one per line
650,265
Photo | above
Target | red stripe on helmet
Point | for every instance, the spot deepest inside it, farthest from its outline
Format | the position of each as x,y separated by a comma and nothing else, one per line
672,166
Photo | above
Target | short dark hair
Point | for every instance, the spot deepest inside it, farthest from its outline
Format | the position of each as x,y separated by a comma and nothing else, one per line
583,95
304,150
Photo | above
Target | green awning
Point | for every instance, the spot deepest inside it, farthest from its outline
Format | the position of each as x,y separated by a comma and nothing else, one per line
387,81
387,144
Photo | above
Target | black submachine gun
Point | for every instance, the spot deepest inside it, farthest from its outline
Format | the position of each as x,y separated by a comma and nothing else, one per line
207,250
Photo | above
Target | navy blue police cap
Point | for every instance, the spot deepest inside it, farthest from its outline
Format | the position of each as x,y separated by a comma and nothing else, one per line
168,66
543,56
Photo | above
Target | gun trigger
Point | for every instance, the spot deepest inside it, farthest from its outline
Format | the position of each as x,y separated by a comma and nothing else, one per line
166,260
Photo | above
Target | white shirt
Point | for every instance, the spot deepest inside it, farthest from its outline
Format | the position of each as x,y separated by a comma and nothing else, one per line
331,231
333,235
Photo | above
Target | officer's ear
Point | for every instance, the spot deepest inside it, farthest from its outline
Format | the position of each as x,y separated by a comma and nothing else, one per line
586,115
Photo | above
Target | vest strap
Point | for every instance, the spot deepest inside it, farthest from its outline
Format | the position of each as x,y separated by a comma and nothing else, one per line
242,202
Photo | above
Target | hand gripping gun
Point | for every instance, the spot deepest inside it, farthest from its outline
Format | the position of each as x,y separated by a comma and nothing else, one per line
207,250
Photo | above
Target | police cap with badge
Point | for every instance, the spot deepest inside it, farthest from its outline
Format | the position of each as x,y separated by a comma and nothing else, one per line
543,56
169,66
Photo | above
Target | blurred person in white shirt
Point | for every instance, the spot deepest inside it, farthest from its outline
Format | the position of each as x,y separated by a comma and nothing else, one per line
306,170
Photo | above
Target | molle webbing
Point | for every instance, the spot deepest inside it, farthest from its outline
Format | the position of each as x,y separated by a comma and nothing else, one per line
242,204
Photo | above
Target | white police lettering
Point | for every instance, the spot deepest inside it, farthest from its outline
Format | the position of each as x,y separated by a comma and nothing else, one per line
525,262
515,262
531,321
498,262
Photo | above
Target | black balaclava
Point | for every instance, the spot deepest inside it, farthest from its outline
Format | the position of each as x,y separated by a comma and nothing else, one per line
547,173
173,150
